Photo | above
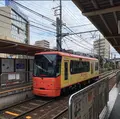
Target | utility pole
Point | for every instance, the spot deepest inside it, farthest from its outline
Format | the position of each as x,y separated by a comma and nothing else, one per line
58,38
59,26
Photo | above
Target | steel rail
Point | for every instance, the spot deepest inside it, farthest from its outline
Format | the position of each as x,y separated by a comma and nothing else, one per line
32,110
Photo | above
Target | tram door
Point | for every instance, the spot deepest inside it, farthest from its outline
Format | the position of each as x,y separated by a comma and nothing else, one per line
92,67
66,73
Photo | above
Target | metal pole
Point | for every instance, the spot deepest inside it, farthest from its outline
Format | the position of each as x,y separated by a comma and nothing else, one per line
115,60
59,29
58,34
99,53
60,25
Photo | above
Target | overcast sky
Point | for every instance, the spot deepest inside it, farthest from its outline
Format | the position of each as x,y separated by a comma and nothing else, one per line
71,16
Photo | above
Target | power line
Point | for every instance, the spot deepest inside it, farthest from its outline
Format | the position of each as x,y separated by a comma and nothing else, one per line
77,44
29,24
65,43
79,25
42,16
73,16
30,10
16,30
84,32
39,27
42,25
29,20
77,35
71,30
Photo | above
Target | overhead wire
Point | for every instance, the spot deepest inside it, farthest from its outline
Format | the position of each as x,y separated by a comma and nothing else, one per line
36,6
79,25
77,35
42,16
38,21
15,35
65,43
29,24
73,16
77,44
75,20
14,29
42,28
67,27
29,20
77,41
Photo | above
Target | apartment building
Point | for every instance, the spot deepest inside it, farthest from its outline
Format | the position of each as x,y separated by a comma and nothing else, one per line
43,43
102,47
13,25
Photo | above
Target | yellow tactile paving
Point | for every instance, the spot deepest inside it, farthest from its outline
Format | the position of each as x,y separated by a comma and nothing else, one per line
28,117
11,113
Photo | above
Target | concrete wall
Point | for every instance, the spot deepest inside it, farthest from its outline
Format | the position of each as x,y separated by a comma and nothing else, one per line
16,98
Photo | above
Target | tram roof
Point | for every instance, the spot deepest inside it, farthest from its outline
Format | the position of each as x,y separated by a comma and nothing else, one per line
66,54
105,15
12,47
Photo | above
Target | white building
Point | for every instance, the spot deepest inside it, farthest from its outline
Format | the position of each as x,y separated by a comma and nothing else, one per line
102,47
13,25
42,43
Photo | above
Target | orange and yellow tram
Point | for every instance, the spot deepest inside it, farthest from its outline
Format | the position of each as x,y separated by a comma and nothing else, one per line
58,71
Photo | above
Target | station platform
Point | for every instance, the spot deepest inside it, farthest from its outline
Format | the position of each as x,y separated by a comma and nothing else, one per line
15,94
114,104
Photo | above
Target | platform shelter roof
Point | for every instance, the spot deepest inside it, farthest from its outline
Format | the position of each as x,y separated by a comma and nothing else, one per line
105,15
12,47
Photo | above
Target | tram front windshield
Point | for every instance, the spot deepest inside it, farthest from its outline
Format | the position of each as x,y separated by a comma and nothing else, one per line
47,65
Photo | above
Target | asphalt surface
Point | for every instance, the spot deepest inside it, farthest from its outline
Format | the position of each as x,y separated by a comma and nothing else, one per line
115,113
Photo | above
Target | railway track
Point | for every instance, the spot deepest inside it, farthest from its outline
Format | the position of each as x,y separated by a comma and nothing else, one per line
23,108
49,111
41,108
102,75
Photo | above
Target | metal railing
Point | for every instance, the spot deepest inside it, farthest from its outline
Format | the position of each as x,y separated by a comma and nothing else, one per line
15,78
89,102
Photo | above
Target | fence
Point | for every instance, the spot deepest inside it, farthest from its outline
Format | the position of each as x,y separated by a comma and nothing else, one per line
89,102
15,71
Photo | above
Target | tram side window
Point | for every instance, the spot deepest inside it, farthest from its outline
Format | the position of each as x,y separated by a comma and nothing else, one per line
86,66
96,66
79,67
66,70
58,65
